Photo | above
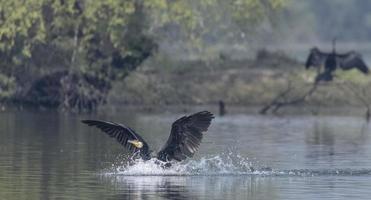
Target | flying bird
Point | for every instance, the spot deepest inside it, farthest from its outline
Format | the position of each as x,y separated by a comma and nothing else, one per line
331,61
184,140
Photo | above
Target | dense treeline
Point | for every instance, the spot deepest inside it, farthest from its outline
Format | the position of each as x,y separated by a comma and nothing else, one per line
67,53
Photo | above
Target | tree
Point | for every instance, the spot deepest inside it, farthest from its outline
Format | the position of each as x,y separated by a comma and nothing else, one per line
70,51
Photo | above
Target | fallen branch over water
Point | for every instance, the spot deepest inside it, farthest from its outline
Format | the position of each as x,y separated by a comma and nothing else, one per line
282,99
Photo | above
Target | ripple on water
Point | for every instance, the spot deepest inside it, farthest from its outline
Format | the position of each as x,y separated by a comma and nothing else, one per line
221,165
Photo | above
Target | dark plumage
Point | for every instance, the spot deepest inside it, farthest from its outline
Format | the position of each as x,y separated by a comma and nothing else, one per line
333,60
352,60
185,136
316,58
324,76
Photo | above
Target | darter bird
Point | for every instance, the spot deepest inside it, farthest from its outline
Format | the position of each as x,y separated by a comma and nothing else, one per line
184,140
331,61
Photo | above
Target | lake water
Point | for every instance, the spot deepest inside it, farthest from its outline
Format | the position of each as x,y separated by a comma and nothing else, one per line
47,155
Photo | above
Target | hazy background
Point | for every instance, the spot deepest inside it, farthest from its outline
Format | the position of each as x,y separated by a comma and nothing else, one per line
300,25
78,55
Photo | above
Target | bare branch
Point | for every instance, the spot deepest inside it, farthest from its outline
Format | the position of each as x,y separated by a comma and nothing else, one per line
281,99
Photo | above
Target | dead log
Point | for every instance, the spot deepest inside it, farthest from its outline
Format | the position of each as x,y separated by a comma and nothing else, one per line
282,99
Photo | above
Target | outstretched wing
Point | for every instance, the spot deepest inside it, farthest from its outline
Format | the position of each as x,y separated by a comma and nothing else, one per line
185,136
352,60
122,133
316,58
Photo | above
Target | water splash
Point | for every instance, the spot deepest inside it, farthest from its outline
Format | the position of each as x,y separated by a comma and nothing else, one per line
224,164
220,165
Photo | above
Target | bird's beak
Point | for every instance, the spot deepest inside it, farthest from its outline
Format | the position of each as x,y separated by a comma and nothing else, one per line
138,144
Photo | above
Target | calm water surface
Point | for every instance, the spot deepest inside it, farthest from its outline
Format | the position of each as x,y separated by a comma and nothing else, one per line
53,156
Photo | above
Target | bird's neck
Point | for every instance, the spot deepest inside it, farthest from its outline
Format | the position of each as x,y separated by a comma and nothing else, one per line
334,46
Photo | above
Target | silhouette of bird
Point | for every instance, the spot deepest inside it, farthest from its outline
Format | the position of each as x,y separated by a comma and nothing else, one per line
316,58
184,140
331,61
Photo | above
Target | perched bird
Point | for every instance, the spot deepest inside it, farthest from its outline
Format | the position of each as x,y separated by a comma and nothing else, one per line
331,61
185,137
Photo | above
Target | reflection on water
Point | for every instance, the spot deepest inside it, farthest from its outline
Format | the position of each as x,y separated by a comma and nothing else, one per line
190,187
337,139
51,156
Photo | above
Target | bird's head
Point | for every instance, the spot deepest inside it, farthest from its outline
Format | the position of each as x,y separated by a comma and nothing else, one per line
138,144
145,153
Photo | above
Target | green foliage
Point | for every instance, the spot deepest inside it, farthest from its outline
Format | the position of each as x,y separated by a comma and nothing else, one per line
7,87
99,39
21,21
105,40
203,22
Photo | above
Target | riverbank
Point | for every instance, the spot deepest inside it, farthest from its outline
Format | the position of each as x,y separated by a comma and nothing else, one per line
357,111
240,83
161,84
125,110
